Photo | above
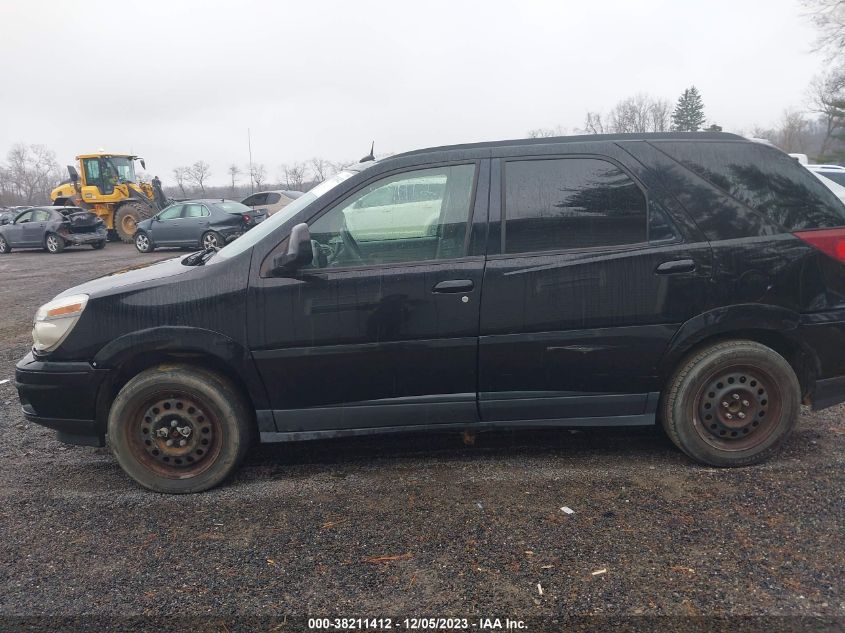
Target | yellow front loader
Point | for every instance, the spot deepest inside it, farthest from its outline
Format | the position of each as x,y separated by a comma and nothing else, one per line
106,184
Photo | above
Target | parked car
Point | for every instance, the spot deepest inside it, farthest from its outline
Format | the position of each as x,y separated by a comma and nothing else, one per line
196,223
269,202
53,229
836,173
7,215
830,176
695,280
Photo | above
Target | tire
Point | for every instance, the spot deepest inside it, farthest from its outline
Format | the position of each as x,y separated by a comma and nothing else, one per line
99,245
144,243
53,243
4,246
732,403
212,238
126,219
217,428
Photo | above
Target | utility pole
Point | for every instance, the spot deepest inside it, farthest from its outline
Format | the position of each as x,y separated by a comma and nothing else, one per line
249,145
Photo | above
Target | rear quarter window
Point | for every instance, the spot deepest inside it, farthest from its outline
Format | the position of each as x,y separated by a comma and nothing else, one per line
762,178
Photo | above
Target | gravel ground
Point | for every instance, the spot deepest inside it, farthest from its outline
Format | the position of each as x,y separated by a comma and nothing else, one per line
408,526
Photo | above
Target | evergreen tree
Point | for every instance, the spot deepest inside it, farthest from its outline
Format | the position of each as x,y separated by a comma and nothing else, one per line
688,115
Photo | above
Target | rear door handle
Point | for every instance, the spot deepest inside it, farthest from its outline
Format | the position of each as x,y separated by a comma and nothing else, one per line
454,285
675,267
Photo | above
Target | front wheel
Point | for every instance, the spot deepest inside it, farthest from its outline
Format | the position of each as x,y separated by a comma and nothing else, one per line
143,243
179,428
732,403
99,245
54,243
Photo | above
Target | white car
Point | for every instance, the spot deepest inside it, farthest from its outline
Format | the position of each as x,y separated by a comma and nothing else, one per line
833,176
836,173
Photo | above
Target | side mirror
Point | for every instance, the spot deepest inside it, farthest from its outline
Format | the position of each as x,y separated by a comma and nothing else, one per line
74,175
4,221
300,253
143,164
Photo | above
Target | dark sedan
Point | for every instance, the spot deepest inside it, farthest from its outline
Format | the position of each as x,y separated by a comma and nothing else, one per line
52,228
196,223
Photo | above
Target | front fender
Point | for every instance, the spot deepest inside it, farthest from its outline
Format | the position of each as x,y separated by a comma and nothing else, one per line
186,340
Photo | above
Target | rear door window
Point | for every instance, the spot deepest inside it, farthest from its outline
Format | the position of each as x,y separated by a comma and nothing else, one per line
571,203
194,211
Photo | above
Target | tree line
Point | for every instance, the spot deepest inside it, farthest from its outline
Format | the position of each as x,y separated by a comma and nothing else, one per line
192,180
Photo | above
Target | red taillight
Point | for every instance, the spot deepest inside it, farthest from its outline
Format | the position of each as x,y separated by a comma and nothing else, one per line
828,241
246,218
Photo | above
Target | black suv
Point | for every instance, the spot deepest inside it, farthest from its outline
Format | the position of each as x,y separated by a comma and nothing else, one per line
693,279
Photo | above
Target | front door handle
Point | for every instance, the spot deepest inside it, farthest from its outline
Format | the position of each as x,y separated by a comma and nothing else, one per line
454,285
676,266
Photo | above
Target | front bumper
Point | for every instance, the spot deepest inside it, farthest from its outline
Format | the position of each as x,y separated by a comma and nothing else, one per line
77,239
62,396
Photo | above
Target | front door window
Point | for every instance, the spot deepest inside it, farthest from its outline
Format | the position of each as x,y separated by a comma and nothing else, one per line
414,216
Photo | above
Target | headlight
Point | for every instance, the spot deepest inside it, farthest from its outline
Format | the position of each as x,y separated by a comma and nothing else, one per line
55,320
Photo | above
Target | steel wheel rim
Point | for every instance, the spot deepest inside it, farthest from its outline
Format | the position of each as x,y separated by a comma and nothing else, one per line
142,242
175,436
210,240
737,408
128,224
52,243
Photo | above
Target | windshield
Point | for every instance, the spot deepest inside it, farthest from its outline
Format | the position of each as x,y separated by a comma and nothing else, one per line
252,237
122,166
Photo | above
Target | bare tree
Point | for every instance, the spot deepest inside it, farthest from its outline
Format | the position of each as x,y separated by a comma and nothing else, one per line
31,173
234,172
829,18
180,174
336,167
294,175
660,114
793,134
546,132
257,174
320,168
593,123
639,114
198,173
827,99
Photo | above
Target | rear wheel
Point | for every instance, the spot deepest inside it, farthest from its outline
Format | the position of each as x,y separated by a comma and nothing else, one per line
126,219
99,245
179,428
732,403
143,242
54,243
212,239
4,246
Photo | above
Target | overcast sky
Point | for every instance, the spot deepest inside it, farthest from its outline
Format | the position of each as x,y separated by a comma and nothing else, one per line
180,81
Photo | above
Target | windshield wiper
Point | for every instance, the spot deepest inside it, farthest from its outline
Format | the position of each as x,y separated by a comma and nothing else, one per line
200,257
